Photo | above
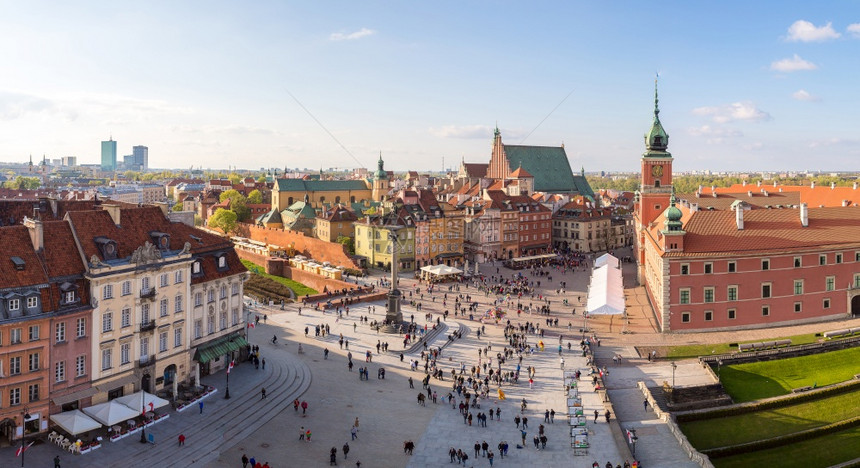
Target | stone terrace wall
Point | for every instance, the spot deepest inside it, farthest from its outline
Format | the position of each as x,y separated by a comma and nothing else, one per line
317,249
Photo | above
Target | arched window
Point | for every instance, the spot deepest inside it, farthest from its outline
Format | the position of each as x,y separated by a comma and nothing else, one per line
657,183
337,199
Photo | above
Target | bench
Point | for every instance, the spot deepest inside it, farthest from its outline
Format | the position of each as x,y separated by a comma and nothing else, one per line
801,389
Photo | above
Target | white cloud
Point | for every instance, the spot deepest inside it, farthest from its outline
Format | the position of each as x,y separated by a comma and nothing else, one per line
804,31
854,30
363,32
228,129
833,142
462,131
733,112
14,105
803,95
707,130
792,64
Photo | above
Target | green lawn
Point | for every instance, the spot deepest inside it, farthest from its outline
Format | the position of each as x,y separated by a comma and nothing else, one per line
298,288
749,427
696,350
755,380
827,450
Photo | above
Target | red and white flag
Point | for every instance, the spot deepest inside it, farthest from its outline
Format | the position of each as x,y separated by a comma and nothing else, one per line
251,325
230,367
23,449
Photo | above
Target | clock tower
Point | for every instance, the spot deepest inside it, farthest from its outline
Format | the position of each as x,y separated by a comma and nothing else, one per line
655,187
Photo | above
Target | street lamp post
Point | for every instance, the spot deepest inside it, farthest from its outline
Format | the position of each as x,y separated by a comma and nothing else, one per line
674,366
719,366
26,416
142,412
633,440
227,393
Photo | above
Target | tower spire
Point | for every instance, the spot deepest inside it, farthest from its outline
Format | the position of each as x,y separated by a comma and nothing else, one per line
656,100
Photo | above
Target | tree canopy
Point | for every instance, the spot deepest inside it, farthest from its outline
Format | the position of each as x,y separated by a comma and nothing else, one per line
255,197
224,220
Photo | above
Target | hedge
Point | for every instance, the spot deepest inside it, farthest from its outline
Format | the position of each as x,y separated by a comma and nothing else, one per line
781,440
777,402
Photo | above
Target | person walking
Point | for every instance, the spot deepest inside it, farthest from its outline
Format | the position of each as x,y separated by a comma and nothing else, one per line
645,404
345,450
200,405
252,461
181,440
332,458
354,433
607,414
263,393
57,461
244,460
264,364
304,408
302,433
596,413
551,415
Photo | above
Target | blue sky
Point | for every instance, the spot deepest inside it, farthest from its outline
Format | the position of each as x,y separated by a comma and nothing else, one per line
743,85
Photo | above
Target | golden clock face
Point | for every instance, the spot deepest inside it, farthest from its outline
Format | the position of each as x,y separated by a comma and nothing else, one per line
657,171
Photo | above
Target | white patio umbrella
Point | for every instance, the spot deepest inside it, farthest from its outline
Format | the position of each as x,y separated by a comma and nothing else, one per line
111,413
137,402
75,422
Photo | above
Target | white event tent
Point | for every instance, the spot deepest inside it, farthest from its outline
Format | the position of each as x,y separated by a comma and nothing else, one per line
139,402
607,259
606,292
75,422
441,270
111,413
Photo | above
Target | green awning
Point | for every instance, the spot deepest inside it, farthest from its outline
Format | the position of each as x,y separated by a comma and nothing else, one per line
219,347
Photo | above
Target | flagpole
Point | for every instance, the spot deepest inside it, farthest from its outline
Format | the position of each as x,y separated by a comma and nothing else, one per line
26,416
229,367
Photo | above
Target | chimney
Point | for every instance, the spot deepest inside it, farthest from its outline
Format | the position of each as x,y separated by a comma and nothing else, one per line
804,215
812,185
37,232
700,188
832,185
749,193
758,184
739,216
855,185
744,183
780,190
774,183
765,193
113,211
714,194
694,207
844,202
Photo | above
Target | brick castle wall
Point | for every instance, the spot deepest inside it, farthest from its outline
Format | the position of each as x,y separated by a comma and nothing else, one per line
317,249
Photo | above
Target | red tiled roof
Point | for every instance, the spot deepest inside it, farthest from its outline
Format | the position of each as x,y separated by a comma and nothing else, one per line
770,230
16,243
61,253
520,173
476,170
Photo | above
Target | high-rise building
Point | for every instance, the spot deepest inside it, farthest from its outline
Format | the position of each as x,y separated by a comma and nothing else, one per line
141,157
109,155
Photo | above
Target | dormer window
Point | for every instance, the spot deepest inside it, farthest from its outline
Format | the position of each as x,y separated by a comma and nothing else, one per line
107,247
196,268
222,262
19,263
69,294
161,240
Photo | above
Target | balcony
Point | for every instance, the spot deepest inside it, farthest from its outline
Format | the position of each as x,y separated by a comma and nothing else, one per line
146,361
148,325
148,293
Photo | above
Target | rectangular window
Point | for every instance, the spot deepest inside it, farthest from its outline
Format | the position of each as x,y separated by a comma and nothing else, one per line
144,348
685,317
14,396
144,313
765,264
798,262
857,256
32,302
106,359
107,291
709,268
124,353
709,294
162,308
177,277
732,267
81,366
60,372
830,283
107,322
198,299
798,287
177,304
14,304
731,313
798,306
15,336
223,292
177,337
60,334
839,258
162,342
732,293
765,311
822,259
81,327
210,296
198,328
34,362
826,303
126,317
163,280
15,365
709,315
857,280
70,297
685,296
144,284
126,288
235,320
765,290
33,392
33,331
235,289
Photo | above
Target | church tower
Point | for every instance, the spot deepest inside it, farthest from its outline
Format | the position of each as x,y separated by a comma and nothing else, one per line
380,181
655,186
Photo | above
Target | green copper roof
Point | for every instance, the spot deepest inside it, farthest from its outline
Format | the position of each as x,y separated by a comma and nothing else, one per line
656,140
302,209
549,166
673,216
299,185
380,173
273,216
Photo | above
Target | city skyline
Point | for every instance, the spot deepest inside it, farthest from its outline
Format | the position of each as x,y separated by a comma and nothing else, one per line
742,86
